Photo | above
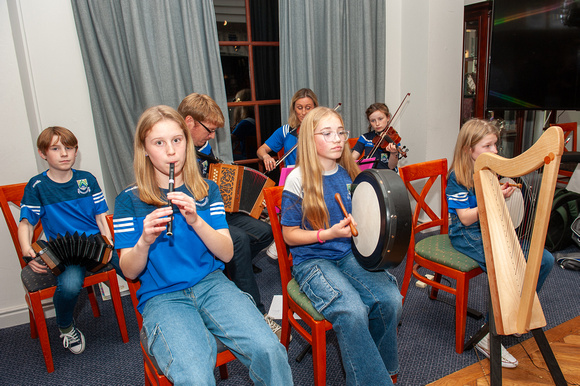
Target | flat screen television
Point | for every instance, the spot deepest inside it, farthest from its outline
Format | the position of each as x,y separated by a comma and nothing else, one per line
534,55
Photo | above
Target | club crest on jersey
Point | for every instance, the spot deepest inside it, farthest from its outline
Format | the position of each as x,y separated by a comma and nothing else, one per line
83,186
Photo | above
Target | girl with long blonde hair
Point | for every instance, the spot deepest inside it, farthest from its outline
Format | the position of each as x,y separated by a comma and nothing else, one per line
185,298
364,307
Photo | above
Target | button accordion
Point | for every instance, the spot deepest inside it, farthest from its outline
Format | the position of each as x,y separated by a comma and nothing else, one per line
242,188
92,252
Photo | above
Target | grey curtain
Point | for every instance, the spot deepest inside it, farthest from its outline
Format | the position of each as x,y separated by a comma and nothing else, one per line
336,48
138,54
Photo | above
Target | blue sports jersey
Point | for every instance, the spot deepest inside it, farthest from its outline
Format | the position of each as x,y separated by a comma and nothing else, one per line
64,207
458,197
177,262
284,138
337,181
365,145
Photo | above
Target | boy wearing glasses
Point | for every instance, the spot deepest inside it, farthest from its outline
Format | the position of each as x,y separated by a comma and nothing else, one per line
203,117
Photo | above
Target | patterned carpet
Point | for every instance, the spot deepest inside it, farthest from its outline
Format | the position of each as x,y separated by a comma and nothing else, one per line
426,338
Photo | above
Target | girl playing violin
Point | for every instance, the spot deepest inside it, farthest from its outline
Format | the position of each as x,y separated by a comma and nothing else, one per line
386,155
286,136
364,307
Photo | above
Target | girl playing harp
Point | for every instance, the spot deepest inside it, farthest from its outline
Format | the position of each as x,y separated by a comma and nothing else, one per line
476,137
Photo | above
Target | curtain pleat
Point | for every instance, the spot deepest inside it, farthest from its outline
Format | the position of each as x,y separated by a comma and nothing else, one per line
138,54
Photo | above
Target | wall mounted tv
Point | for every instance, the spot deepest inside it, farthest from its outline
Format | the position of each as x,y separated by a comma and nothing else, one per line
534,55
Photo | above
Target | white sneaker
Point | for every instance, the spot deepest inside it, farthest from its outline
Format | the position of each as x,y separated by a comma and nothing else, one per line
507,360
272,252
74,340
276,328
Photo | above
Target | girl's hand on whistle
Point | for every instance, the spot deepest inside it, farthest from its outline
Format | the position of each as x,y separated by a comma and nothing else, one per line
155,223
507,190
186,205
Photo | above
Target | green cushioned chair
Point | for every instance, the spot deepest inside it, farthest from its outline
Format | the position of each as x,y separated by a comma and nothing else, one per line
435,253
293,300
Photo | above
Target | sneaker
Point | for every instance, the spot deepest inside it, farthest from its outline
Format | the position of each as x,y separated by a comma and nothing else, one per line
74,340
507,360
272,252
276,328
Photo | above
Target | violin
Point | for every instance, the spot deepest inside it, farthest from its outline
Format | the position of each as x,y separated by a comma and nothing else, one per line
391,136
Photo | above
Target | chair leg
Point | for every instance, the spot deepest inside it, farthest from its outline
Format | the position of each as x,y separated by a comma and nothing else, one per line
461,297
117,305
224,372
319,355
40,322
285,333
33,331
435,291
407,277
93,300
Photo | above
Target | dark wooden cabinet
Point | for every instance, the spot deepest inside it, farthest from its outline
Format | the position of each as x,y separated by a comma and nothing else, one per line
476,33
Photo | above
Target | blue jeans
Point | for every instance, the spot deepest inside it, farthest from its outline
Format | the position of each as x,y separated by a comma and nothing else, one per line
68,286
249,236
468,240
364,308
181,326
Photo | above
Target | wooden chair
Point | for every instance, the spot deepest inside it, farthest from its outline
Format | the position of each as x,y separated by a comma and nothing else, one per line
153,375
40,287
294,301
435,252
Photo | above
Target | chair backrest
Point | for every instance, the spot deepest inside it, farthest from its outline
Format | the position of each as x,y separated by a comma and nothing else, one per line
273,197
352,142
13,194
432,171
132,284
283,174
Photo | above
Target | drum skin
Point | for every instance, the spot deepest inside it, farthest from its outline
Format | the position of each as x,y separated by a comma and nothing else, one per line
381,208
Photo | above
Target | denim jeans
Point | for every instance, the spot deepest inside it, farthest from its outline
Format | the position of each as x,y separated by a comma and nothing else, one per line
249,236
181,325
364,308
68,286
468,240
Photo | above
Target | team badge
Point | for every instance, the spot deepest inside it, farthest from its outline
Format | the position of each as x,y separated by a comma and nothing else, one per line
83,185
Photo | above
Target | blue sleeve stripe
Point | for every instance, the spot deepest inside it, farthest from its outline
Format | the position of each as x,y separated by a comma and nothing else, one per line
124,230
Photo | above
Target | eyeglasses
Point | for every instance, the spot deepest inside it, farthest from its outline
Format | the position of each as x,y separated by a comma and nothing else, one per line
329,135
208,130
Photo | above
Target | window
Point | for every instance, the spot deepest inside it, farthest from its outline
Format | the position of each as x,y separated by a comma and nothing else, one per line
249,49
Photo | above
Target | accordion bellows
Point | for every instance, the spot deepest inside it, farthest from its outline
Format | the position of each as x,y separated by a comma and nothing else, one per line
242,188
92,252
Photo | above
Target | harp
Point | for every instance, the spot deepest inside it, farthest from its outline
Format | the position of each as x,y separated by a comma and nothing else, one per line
513,257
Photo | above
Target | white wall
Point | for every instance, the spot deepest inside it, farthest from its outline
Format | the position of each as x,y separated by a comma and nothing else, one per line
43,84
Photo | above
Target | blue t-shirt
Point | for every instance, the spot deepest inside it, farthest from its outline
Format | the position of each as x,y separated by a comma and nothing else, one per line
336,181
64,207
458,196
177,262
284,138
365,145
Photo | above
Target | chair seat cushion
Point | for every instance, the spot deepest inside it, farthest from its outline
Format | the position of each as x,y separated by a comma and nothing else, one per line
438,249
37,281
302,300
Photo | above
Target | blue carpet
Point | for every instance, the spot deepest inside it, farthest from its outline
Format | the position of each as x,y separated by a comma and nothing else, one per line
426,338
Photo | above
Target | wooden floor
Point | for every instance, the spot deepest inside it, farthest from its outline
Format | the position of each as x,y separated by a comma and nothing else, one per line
532,370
